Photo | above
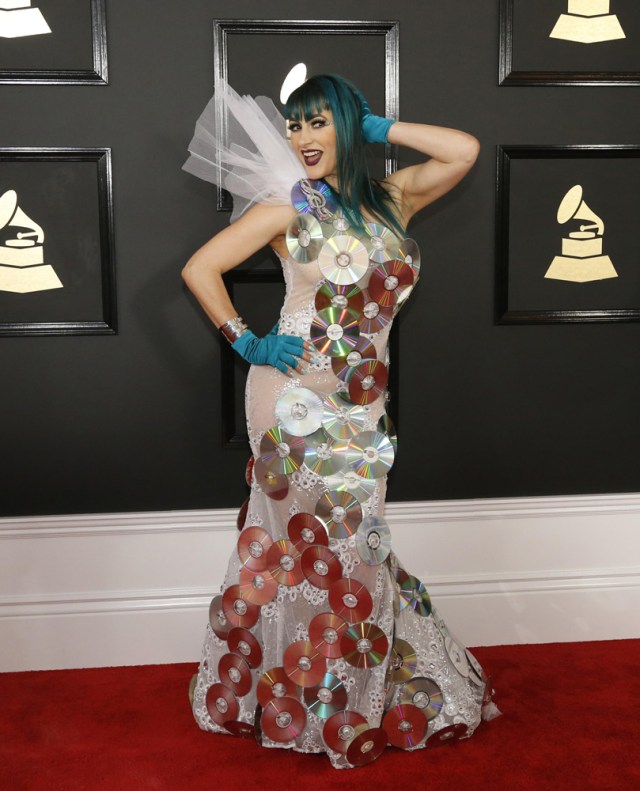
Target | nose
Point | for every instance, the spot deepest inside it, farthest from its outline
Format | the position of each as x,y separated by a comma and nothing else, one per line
305,135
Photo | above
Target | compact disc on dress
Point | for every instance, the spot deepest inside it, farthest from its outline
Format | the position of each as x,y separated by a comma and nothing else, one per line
325,631
234,672
217,619
324,454
304,238
275,683
253,545
382,244
248,473
243,642
414,594
423,693
350,600
283,561
300,411
335,331
367,381
274,484
343,260
305,530
328,697
237,610
364,645
242,514
389,281
340,512
343,366
336,225
367,746
258,587
304,664
488,691
374,317
341,419
314,197
332,295
242,729
370,454
385,426
342,728
406,726
457,656
373,540
222,704
409,252
349,481
192,688
403,662
447,735
281,451
283,719
476,673
321,566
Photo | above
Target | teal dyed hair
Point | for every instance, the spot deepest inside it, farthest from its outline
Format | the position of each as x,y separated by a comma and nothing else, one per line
356,189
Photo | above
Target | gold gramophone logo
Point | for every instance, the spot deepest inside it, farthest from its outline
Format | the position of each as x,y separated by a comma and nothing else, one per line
22,267
582,259
587,22
18,18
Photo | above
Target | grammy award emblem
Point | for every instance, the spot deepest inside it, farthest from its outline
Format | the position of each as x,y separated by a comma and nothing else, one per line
18,19
582,260
587,22
22,267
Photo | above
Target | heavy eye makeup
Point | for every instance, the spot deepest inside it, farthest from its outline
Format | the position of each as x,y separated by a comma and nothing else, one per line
318,122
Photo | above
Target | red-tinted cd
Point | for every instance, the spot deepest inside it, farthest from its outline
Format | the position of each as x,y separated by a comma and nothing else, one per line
332,295
283,560
237,610
321,566
281,452
248,473
414,594
304,664
253,545
342,728
241,729
364,645
447,735
325,631
222,704
274,484
314,197
327,698
382,243
389,281
350,600
343,366
257,587
374,317
275,683
234,672
406,726
367,746
403,662
283,719
241,641
423,693
242,514
305,530
367,381
340,512
334,331
218,620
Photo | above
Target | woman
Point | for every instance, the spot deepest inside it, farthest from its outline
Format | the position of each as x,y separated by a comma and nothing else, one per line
320,640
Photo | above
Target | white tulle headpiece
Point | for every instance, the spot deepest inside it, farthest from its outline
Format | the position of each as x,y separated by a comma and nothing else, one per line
251,158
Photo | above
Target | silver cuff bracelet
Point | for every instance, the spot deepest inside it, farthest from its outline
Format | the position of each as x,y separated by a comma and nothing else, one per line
233,328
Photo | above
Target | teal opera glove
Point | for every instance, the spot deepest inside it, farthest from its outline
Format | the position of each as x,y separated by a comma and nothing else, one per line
281,351
375,129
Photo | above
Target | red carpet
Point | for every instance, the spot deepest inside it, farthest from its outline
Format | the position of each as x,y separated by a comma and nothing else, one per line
570,722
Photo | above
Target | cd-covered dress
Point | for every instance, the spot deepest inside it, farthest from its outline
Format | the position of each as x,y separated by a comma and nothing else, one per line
320,639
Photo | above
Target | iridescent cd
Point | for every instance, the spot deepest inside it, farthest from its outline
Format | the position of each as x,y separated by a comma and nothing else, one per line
343,260
457,656
385,426
304,238
222,704
476,673
409,252
336,225
248,473
281,451
283,719
350,600
340,512
335,331
237,610
423,693
257,587
382,243
367,381
218,620
341,419
488,691
374,317
234,672
274,484
413,594
370,454
321,566
242,514
367,746
242,729
253,545
343,366
444,736
389,281
300,411
331,295
406,726
325,631
364,645
305,530
373,540
342,728
283,560
314,197
304,664
327,698
349,481
403,662
243,642
192,688
326,457
275,683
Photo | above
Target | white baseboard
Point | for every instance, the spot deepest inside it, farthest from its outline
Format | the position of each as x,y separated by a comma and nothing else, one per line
118,589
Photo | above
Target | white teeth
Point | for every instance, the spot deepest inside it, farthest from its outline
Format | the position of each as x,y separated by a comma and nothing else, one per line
310,153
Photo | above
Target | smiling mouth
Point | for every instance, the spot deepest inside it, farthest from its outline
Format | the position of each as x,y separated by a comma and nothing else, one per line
312,157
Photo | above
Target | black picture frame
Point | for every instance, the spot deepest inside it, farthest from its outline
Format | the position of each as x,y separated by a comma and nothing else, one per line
70,189
604,63
521,297
88,46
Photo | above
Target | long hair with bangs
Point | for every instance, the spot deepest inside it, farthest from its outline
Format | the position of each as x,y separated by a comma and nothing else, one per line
356,189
